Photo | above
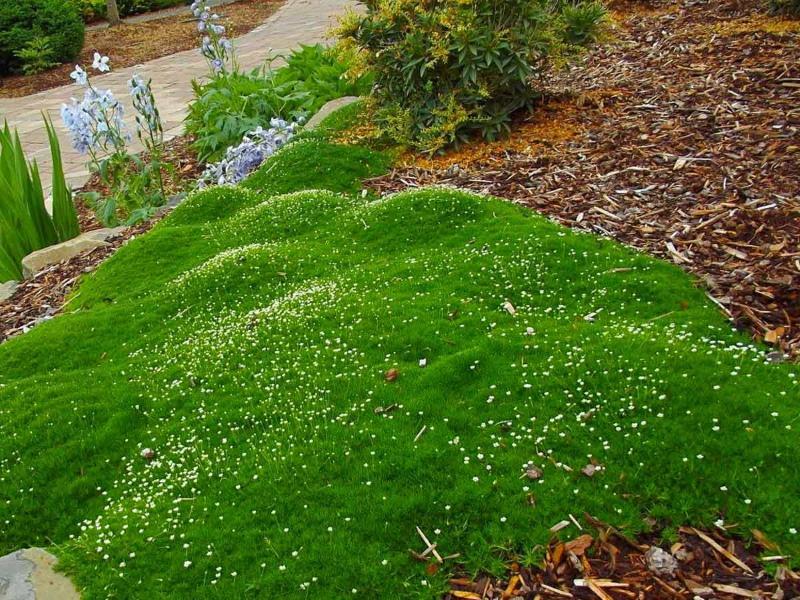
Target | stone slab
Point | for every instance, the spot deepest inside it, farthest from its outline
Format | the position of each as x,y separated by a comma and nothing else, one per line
52,255
328,109
30,575
7,290
103,235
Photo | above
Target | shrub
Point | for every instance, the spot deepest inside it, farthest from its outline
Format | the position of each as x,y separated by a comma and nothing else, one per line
232,104
94,10
36,57
447,68
22,21
786,7
25,225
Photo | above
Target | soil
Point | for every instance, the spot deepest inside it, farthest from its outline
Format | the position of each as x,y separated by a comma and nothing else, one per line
680,138
136,43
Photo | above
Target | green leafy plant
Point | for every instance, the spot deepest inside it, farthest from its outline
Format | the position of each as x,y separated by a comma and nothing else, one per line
23,21
65,218
786,7
449,68
36,56
25,225
91,10
584,21
234,103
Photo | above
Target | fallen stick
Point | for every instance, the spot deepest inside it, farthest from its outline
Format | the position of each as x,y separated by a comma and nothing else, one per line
722,551
431,547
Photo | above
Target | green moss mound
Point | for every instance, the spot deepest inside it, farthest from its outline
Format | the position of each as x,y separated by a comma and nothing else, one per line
245,342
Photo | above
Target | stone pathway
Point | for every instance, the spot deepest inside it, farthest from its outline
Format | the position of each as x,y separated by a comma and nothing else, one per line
296,22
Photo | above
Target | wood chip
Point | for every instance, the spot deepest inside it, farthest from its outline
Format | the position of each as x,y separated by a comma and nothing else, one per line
722,551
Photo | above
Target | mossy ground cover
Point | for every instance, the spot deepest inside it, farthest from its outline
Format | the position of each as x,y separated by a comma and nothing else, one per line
246,341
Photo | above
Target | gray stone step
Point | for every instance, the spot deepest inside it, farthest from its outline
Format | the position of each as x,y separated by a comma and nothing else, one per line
30,575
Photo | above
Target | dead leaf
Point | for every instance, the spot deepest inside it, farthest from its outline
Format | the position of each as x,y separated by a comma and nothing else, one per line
580,544
773,336
533,472
762,539
590,470
680,163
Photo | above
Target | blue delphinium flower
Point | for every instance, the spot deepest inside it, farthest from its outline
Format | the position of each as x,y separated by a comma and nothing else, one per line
97,127
214,46
79,124
79,75
148,120
243,159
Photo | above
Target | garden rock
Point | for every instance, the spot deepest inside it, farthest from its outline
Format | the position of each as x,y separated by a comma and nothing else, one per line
29,575
7,290
103,235
660,562
52,255
328,109
172,203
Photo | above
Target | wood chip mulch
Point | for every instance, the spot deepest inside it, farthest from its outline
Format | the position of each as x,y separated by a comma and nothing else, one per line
131,44
680,138
182,170
45,295
607,565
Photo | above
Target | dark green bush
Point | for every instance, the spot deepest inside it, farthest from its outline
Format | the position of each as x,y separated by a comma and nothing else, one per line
22,21
94,10
230,105
786,7
445,69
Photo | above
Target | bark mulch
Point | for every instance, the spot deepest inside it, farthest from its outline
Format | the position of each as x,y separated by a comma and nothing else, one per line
607,565
45,295
135,43
680,138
